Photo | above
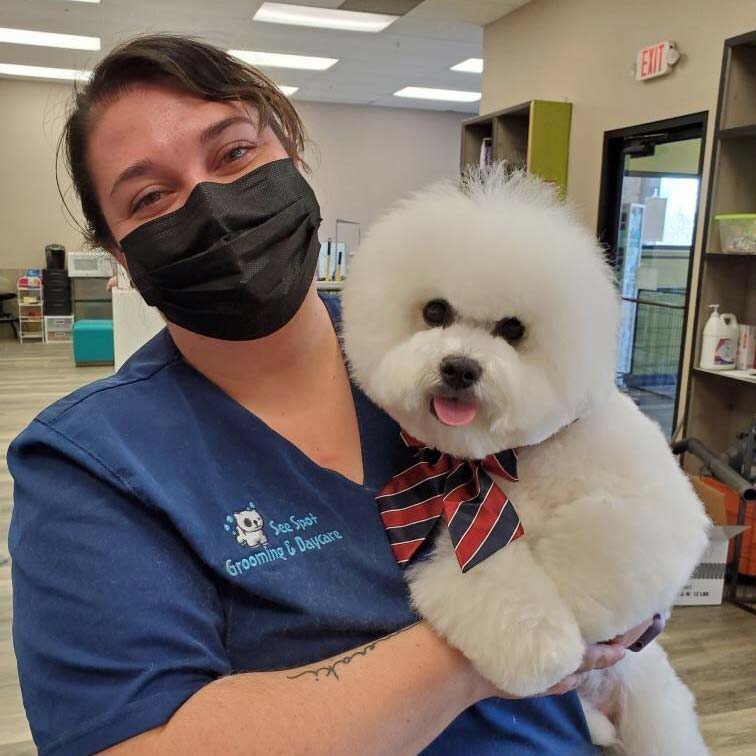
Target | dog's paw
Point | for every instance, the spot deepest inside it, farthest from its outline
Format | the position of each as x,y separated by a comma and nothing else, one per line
532,656
522,652
504,616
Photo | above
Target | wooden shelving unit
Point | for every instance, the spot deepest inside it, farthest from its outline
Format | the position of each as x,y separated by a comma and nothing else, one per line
534,135
722,404
733,375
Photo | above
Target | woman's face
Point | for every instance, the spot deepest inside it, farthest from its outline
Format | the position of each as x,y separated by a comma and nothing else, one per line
153,145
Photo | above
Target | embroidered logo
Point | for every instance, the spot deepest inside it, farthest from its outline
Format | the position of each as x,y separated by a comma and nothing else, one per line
248,529
247,526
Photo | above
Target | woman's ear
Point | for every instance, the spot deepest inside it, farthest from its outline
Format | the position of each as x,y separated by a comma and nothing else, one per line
117,253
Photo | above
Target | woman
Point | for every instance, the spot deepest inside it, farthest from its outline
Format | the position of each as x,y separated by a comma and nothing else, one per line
210,509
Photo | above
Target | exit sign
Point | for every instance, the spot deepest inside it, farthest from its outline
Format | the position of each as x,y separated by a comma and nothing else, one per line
653,61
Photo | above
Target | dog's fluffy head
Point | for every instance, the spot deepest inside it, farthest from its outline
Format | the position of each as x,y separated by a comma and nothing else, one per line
481,315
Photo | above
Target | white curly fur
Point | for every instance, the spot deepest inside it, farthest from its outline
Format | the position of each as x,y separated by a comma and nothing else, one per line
612,526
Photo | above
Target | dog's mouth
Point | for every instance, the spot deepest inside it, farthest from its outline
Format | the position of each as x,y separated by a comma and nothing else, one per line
453,410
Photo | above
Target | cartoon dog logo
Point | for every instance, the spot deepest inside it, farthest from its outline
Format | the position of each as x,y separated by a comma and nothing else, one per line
249,527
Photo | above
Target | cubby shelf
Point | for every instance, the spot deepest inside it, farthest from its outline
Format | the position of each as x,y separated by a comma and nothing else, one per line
733,255
733,375
534,135
738,132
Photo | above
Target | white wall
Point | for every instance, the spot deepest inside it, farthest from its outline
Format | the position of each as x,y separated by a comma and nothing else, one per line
363,159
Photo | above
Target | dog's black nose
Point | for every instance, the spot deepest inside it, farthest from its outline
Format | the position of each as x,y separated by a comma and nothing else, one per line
460,372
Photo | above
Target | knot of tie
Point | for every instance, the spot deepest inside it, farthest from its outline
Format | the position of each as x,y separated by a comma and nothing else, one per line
478,514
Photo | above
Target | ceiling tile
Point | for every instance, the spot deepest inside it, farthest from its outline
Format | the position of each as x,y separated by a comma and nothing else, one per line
418,49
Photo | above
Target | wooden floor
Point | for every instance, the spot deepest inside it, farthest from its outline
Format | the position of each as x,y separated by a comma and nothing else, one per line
712,648
32,376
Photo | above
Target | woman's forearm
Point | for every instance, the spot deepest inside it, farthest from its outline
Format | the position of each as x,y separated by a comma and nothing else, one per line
389,698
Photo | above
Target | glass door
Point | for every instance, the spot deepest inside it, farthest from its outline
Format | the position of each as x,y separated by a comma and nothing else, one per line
656,220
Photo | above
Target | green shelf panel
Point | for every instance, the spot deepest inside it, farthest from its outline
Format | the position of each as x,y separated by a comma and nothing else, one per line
549,141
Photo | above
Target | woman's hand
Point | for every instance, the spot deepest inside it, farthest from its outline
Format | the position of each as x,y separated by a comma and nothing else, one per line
597,656
639,637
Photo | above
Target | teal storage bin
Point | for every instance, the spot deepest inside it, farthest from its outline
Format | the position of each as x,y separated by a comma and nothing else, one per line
93,342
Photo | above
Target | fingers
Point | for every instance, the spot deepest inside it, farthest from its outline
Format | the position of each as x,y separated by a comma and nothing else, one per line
628,638
571,682
598,656
601,656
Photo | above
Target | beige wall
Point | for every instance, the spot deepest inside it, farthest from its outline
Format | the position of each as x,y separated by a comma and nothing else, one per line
580,51
31,212
364,158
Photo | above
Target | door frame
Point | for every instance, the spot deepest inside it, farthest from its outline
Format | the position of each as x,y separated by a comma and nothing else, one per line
610,196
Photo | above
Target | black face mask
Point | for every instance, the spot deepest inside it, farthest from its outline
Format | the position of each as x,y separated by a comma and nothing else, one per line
236,261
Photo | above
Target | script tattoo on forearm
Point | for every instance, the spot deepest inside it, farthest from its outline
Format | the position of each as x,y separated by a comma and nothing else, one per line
332,669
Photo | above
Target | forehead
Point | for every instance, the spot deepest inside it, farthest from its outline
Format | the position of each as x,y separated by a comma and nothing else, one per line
148,118
491,261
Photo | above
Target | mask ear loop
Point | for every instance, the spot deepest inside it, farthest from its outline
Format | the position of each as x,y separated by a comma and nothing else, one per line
123,277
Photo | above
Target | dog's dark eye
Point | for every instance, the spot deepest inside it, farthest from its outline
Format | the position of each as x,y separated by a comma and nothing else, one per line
438,312
510,329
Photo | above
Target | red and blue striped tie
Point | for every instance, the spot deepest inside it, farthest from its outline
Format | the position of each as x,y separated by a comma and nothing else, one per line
480,517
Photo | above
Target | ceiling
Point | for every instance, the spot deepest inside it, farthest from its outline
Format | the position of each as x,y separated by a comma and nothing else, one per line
416,50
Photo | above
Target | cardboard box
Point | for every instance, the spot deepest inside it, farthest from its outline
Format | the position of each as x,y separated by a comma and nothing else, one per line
706,584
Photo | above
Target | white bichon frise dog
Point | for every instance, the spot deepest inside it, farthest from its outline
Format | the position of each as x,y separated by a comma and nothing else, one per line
482,317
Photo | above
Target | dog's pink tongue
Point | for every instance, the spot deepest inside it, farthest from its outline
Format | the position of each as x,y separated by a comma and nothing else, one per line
454,411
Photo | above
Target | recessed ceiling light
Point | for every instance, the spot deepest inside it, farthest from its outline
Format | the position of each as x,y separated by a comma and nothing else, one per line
323,18
41,72
471,65
47,39
288,91
84,1
279,60
425,93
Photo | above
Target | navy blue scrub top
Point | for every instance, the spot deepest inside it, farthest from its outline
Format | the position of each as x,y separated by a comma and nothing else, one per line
163,536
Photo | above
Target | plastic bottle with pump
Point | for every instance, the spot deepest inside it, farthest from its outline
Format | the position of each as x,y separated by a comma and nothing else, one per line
720,339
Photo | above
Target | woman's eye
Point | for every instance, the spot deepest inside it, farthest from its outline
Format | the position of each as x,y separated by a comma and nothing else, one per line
510,329
438,312
148,199
235,153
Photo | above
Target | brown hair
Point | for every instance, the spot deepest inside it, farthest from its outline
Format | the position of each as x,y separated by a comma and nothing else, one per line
191,66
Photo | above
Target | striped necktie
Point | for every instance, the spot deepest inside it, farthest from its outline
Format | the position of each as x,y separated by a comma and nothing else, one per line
480,517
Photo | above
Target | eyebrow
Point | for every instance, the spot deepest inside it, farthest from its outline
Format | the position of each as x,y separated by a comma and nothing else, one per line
145,166
135,169
212,131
